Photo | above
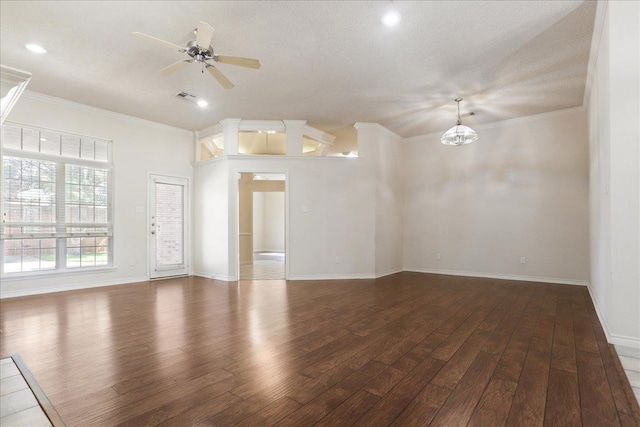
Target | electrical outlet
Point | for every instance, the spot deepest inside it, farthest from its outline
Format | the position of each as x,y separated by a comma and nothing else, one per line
337,260
132,262
523,260
439,256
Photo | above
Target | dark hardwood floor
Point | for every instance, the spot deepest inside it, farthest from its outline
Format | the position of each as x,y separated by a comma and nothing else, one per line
408,349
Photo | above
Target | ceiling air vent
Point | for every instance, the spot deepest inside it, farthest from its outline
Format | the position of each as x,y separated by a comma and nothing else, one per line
185,95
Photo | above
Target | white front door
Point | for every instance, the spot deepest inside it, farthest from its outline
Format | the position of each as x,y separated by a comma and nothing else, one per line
168,213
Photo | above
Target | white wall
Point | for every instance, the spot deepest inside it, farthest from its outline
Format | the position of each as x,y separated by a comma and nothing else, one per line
614,119
139,147
330,213
268,221
520,191
383,149
211,219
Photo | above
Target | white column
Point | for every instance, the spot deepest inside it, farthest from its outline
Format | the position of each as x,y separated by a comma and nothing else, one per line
230,130
624,134
294,130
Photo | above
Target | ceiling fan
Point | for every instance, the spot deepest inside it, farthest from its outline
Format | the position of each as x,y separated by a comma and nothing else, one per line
200,51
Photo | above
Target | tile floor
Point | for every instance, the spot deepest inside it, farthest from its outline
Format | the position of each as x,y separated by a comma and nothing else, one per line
18,405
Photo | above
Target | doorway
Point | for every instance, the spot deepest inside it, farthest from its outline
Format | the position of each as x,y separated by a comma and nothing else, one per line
168,213
262,226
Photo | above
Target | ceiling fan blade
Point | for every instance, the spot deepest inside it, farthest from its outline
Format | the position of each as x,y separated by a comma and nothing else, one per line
158,41
224,82
173,67
241,62
204,35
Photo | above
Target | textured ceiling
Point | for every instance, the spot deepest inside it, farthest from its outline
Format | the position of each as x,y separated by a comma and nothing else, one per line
331,63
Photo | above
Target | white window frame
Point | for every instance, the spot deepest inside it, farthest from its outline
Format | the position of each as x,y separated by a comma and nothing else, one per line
61,225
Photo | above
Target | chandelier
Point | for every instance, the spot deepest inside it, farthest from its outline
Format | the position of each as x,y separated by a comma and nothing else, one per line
459,134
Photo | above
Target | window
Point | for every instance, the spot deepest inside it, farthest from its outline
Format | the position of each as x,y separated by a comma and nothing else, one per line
56,201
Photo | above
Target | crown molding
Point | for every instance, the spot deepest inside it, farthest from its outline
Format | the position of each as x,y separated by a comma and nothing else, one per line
258,125
598,29
12,83
378,126
105,113
12,77
508,122
294,123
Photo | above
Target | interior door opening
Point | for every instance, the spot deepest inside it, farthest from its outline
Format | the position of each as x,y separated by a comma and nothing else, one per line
262,226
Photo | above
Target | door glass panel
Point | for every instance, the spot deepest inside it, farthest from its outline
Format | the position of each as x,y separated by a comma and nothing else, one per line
169,225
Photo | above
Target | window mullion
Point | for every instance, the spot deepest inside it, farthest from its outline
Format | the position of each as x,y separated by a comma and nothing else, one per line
61,229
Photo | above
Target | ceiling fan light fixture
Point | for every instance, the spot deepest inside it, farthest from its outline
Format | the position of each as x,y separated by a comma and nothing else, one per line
35,48
459,134
391,18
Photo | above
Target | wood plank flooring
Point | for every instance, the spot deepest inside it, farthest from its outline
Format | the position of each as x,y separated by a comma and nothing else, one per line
407,349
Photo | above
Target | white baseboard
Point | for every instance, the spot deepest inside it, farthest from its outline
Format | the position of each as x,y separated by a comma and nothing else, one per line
75,287
600,314
333,276
499,276
388,272
625,341
615,339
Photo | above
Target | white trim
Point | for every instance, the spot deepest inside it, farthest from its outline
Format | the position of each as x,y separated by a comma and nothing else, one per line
111,114
596,39
615,339
75,287
17,80
13,77
201,163
388,272
317,135
234,189
508,122
282,157
626,341
600,314
257,125
498,276
373,125
333,276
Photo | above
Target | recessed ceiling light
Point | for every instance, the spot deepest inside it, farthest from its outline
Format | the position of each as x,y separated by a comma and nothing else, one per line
202,103
36,48
391,18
